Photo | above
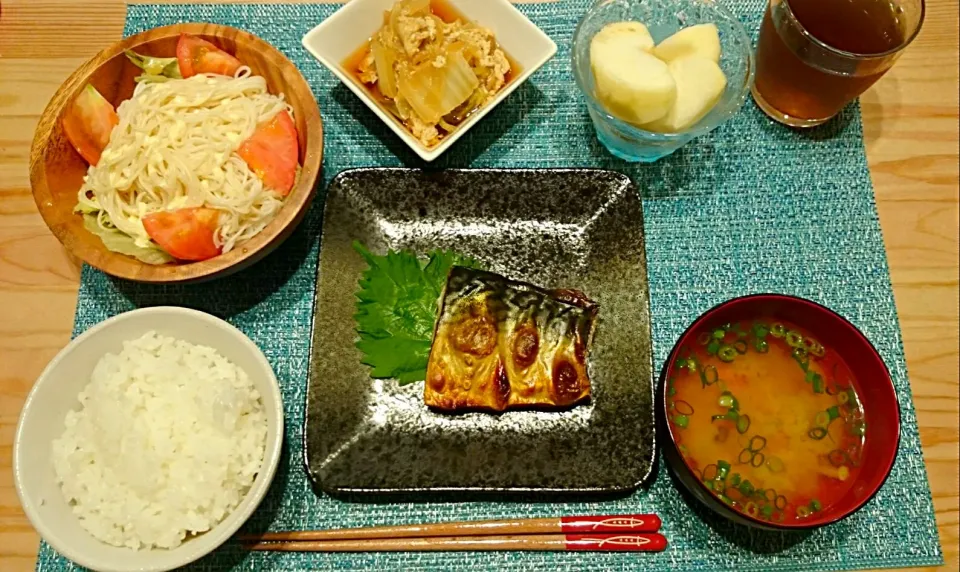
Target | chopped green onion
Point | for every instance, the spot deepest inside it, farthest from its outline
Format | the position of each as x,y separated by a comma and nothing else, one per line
751,509
726,353
725,498
858,429
817,433
769,495
718,334
761,346
723,469
780,502
822,419
800,355
760,329
746,488
803,512
735,480
745,456
775,464
757,443
703,339
757,460
838,458
818,384
843,397
740,346
833,412
682,421
726,400
815,505
814,347
766,511
709,375
743,423
712,347
710,472
794,340
682,407
777,330
672,391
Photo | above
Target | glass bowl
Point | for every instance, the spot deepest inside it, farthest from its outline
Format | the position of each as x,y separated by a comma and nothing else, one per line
663,18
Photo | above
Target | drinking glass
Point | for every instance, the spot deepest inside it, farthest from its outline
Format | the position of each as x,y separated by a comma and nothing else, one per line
815,56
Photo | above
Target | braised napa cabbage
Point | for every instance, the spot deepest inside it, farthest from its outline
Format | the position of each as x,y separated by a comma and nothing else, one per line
429,73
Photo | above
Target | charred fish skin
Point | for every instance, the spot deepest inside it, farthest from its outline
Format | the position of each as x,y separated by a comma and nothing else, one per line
504,344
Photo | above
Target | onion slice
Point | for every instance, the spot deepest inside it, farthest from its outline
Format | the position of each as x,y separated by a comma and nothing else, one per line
383,60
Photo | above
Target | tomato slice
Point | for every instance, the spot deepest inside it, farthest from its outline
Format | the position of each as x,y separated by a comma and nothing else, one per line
88,123
186,234
272,153
196,55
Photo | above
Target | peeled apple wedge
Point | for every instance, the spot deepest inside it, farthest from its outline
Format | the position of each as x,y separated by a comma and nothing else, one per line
632,32
701,40
631,83
700,83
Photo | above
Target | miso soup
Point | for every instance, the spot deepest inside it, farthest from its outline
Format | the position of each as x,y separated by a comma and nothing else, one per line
768,418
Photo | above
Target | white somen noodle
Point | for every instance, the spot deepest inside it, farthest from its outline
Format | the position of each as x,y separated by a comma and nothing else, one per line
175,147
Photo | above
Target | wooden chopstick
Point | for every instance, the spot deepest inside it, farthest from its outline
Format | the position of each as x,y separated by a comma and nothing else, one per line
649,542
624,523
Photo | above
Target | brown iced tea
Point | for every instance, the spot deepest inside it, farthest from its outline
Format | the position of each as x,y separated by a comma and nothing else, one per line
815,56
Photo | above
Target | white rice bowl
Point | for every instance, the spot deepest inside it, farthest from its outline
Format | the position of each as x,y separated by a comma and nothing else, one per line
168,440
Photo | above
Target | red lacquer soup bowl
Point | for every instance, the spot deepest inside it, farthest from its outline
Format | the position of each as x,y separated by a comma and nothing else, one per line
863,416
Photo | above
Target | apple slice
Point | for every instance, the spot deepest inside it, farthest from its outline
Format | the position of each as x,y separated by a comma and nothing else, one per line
634,33
700,83
631,83
700,40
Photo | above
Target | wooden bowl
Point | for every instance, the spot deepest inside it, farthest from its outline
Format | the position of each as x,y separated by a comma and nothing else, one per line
57,170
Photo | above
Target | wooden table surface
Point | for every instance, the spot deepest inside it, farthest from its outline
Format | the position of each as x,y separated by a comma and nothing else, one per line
911,130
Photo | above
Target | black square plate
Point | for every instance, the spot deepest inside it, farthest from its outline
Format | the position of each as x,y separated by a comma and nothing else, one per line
571,228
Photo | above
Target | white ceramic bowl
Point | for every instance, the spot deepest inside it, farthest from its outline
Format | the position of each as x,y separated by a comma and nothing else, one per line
340,35
55,392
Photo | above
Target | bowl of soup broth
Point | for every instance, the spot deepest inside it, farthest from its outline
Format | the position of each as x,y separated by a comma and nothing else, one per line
780,414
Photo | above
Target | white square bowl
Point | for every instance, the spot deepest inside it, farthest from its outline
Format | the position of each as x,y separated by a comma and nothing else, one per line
340,35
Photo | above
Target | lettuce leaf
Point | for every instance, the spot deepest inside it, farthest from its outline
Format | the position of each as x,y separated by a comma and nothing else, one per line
167,67
121,243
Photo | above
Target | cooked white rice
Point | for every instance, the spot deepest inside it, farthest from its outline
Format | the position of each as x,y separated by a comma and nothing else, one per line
167,442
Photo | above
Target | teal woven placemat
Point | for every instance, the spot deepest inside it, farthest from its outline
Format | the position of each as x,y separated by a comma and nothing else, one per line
753,207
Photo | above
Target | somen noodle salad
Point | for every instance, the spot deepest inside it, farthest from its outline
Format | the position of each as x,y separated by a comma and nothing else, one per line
198,160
